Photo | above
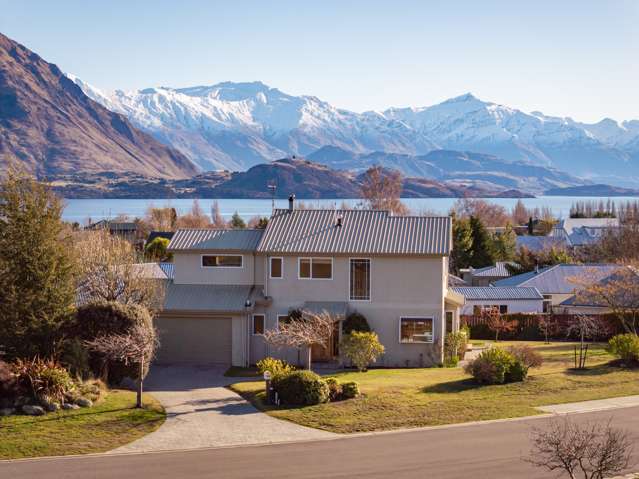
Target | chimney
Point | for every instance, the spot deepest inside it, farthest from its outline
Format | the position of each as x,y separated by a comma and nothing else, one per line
339,221
291,202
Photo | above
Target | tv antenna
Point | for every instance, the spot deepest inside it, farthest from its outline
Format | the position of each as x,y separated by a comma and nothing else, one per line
273,188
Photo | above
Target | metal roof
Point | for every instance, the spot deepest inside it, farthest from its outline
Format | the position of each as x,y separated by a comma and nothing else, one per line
494,292
226,298
498,270
154,270
538,243
210,239
361,232
569,224
558,279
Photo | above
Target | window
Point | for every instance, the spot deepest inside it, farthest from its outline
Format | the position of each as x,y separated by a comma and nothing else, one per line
547,303
282,319
277,268
503,309
360,279
258,324
221,261
416,330
449,321
315,268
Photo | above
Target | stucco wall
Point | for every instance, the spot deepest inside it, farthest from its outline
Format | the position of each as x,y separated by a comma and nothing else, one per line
189,270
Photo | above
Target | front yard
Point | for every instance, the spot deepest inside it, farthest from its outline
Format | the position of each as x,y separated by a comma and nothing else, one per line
399,398
111,422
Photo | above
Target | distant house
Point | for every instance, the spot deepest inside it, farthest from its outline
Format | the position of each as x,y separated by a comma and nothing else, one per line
487,275
582,231
123,229
505,299
540,243
558,283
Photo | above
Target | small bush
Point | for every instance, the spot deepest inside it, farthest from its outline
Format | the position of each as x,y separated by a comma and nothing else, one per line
350,390
626,348
491,366
334,389
75,357
361,348
277,367
355,322
454,348
517,372
43,379
301,388
526,355
451,362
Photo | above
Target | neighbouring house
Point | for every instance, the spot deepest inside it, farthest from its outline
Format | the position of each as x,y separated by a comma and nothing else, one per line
123,229
229,286
560,282
540,243
582,231
505,299
487,275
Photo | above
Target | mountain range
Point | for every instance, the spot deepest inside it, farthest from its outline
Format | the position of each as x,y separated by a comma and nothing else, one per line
237,125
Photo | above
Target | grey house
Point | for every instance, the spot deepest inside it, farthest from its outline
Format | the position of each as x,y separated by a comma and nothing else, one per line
229,286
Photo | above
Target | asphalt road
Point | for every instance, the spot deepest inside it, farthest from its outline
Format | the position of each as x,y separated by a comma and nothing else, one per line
490,450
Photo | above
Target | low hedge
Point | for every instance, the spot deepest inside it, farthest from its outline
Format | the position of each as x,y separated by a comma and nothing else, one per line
301,388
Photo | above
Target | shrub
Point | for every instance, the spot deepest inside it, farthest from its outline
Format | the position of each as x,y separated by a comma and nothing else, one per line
43,379
75,357
451,362
350,390
301,388
517,372
625,347
334,389
277,367
156,250
526,355
454,348
355,322
465,329
491,366
361,348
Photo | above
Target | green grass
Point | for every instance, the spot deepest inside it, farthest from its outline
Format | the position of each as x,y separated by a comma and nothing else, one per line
111,422
398,398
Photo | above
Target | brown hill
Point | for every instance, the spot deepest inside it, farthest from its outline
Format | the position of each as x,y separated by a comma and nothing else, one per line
49,127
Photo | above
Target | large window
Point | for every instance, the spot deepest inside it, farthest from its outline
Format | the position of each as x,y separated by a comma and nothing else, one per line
360,282
315,268
258,324
416,330
277,268
221,261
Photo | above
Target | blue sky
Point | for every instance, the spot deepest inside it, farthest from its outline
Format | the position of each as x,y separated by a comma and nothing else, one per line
562,57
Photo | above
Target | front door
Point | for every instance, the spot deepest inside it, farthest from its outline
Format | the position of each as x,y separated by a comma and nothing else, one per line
323,354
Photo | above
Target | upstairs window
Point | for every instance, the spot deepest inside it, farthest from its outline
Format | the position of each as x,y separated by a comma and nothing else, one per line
277,268
221,261
315,268
360,279
258,324
416,330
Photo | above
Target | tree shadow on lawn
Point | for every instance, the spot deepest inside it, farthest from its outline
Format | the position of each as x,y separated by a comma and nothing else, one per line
598,370
460,385
77,416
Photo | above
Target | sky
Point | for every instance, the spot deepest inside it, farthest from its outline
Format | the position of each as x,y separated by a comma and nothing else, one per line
561,57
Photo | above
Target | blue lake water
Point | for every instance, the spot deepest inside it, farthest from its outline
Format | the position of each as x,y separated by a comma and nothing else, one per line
97,209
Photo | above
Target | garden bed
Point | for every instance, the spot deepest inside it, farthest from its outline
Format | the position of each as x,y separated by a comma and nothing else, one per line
399,398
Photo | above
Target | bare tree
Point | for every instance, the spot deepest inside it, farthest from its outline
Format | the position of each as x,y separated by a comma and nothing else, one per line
489,214
591,451
161,219
548,325
382,190
109,271
585,327
217,219
136,346
308,330
196,218
497,322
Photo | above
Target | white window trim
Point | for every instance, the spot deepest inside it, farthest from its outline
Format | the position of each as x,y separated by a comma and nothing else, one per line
370,281
270,269
253,333
432,340
299,261
220,267
446,320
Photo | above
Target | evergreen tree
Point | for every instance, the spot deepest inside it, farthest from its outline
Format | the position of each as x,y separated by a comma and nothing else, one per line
482,250
237,222
37,290
462,245
504,245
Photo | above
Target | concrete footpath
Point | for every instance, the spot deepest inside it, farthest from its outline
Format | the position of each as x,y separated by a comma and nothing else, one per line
590,406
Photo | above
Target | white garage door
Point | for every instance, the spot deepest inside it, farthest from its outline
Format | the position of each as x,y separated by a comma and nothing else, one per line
194,340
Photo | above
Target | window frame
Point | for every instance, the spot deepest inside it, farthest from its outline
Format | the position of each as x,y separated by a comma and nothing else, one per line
370,280
504,307
253,333
241,256
432,339
277,324
311,258
270,267
452,320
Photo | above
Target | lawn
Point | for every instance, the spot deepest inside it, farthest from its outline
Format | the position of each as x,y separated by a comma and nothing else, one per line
111,422
398,398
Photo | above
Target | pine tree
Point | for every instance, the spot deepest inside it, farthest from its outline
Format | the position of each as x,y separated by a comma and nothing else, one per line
462,245
504,245
37,290
237,222
482,250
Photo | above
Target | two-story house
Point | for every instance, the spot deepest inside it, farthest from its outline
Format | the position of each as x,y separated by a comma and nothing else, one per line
229,286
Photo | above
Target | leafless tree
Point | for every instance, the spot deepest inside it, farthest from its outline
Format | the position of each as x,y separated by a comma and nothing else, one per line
308,330
382,190
489,214
136,346
109,271
585,327
196,218
591,451
548,325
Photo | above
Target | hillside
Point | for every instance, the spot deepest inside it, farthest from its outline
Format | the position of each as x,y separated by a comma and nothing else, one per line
48,126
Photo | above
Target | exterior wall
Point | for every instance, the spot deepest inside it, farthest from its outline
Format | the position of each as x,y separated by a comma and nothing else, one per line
514,306
239,341
400,286
559,298
189,270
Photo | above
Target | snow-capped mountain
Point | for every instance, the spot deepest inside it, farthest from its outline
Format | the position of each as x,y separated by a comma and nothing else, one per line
237,125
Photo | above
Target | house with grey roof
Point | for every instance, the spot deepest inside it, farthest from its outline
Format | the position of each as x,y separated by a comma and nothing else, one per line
487,275
505,299
229,286
560,282
578,232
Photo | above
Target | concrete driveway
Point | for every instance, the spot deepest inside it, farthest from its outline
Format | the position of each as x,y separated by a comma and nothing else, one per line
201,412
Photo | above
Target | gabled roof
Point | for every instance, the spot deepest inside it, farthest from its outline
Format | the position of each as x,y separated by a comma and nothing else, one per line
569,224
538,243
361,232
215,240
497,270
624,274
557,279
493,292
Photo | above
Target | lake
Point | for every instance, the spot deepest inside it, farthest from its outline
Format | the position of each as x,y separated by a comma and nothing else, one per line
97,209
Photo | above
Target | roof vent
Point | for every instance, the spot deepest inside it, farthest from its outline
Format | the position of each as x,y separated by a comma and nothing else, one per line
338,222
291,202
